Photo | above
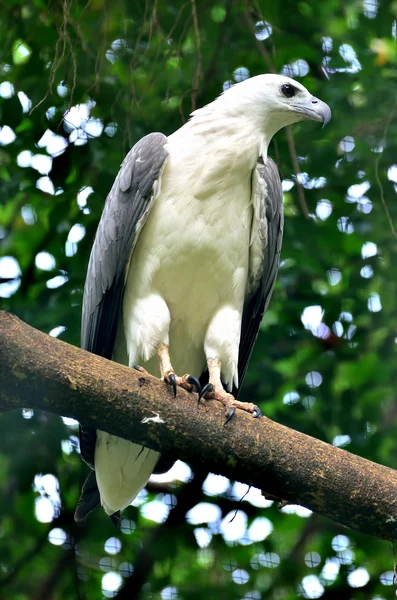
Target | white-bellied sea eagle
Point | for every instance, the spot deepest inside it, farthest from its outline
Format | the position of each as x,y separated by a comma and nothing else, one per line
184,263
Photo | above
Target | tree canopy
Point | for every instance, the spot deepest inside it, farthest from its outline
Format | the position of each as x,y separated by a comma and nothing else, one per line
80,83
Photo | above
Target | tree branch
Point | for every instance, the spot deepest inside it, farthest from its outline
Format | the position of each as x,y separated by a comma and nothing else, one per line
41,372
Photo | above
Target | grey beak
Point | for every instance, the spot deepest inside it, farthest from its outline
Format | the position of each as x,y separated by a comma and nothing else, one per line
315,110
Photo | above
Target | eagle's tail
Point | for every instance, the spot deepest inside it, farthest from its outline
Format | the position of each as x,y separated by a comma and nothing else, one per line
90,499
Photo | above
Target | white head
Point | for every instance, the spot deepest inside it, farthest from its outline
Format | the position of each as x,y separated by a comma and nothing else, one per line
273,101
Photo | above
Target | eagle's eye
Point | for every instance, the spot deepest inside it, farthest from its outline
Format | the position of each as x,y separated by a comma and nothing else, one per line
288,90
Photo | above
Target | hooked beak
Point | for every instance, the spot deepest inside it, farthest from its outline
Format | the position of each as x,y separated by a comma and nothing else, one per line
315,110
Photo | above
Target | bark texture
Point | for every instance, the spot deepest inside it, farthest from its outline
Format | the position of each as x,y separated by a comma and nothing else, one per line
37,371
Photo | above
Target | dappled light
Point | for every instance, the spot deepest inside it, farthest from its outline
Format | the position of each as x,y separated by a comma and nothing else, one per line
80,84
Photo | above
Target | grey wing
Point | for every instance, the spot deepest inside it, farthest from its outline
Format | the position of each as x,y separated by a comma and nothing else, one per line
265,248
126,210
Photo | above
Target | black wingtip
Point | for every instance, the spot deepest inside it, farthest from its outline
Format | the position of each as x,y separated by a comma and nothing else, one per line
89,498
116,519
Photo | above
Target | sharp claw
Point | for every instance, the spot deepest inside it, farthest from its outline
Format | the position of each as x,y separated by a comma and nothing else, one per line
207,388
257,412
173,382
193,381
230,414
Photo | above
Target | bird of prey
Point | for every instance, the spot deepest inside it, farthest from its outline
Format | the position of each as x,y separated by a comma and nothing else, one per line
184,263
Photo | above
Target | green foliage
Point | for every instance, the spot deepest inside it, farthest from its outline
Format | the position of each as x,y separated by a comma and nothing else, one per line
141,67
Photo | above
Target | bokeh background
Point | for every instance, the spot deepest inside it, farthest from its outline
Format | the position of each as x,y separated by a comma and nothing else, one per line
80,83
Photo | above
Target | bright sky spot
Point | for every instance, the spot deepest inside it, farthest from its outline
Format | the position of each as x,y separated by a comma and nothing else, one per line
344,225
76,233
369,249
340,542
112,545
44,510
312,587
45,261
111,582
204,512
111,129
295,509
312,316
83,195
179,472
25,101
127,526
9,267
291,397
56,282
7,135
392,173
347,143
313,379
334,276
349,55
358,578
250,494
298,68
330,570
341,440
259,529
234,525
215,484
155,511
323,209
70,422
287,185
387,578
54,144
24,159
370,8
70,249
263,30
271,560
169,593
203,537
45,185
57,536
357,190
241,74
240,576
327,44
42,163
374,303
312,559
6,89
28,214
140,499
126,569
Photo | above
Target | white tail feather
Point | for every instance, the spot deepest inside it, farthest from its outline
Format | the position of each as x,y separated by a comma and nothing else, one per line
122,470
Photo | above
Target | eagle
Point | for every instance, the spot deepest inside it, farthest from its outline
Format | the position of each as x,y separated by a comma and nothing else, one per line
184,263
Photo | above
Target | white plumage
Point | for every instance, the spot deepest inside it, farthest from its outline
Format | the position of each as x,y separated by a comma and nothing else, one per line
198,256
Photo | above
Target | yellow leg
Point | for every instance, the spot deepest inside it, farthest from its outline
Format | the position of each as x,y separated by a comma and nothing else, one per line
215,390
187,382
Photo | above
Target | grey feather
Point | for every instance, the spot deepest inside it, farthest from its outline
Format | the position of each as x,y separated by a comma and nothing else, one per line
125,213
270,219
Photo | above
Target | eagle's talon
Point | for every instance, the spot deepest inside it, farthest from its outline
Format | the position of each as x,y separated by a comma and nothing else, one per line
207,389
172,379
231,411
195,382
257,413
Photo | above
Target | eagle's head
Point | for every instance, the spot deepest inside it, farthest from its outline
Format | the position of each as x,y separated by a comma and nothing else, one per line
275,101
